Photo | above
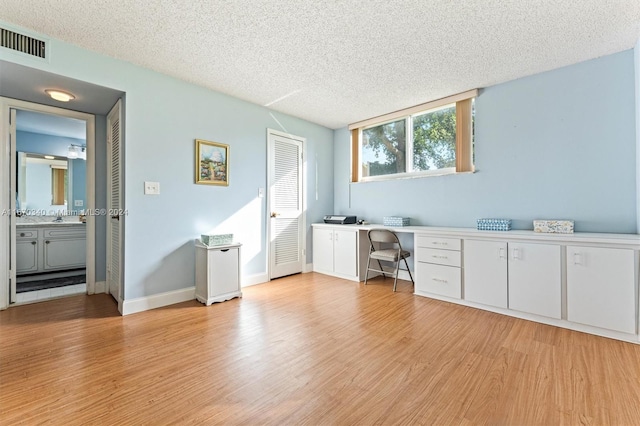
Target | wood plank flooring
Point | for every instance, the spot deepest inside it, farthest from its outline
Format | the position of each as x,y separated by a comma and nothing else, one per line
307,349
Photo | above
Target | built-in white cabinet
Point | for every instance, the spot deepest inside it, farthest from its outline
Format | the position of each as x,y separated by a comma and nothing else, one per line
535,279
56,248
335,251
438,264
601,288
525,277
217,273
26,251
485,272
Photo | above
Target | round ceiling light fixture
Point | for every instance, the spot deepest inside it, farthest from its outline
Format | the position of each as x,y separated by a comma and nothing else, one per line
59,95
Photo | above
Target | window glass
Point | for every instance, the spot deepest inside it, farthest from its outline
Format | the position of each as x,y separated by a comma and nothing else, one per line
434,139
384,149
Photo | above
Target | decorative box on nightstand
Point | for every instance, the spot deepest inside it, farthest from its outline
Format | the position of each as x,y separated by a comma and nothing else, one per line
217,272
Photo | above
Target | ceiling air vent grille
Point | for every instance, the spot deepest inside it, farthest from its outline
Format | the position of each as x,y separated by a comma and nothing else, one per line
22,43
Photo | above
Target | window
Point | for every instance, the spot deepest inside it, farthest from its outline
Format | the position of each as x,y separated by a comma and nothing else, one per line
436,137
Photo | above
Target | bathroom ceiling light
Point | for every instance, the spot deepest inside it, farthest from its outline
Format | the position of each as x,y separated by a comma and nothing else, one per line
59,95
73,152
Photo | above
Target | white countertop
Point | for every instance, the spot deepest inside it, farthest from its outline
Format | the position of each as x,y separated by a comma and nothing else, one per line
577,237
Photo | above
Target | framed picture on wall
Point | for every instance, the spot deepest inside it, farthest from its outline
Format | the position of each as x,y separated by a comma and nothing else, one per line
212,163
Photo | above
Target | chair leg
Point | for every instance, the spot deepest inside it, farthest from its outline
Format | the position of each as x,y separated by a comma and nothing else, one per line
395,279
366,274
409,271
380,267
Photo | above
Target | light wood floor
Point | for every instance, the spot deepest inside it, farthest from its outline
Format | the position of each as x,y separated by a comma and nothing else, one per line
307,349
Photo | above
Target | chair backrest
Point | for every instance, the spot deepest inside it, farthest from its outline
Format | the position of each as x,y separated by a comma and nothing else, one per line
382,236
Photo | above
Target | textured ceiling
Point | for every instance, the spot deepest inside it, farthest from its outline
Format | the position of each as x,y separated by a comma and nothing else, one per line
337,62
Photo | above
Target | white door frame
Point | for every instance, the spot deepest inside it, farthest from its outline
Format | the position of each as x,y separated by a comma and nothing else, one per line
303,195
7,232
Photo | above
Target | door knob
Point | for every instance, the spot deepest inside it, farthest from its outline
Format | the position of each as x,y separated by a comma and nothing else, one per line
274,214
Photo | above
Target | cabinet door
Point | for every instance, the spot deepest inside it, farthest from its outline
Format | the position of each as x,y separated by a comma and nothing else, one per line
323,249
65,253
223,272
535,279
601,287
345,256
485,272
26,256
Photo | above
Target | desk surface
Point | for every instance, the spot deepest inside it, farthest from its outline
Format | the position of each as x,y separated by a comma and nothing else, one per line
631,240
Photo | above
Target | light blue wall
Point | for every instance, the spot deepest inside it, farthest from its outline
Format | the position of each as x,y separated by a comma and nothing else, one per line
79,185
163,117
637,69
556,145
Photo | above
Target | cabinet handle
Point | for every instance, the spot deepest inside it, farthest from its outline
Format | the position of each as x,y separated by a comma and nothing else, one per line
438,257
47,242
501,253
577,258
33,243
515,254
439,280
438,243
225,250
336,237
22,234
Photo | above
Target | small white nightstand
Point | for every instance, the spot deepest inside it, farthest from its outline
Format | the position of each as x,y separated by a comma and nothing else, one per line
217,272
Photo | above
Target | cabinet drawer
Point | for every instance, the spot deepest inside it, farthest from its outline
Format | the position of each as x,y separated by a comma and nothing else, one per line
23,234
438,256
439,279
438,243
65,232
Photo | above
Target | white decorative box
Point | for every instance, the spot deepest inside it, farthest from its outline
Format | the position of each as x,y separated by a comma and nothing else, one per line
494,224
553,226
216,239
395,221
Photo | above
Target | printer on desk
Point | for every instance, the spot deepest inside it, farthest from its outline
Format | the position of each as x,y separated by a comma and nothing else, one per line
340,220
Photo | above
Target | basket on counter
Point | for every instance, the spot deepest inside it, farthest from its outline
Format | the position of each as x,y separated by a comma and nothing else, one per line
395,221
494,224
216,239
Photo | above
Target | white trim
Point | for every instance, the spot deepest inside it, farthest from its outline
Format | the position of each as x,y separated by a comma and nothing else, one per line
100,287
308,268
392,116
140,304
6,104
249,280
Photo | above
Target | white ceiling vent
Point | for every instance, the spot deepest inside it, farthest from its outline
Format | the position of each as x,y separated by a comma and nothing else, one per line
23,43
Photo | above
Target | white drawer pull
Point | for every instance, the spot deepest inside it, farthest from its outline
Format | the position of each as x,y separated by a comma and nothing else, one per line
439,280
435,256
438,243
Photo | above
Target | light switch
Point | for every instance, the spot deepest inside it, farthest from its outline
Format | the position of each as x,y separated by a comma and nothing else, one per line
78,203
152,188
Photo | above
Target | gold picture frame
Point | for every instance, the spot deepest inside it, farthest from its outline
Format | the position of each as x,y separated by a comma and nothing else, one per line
212,163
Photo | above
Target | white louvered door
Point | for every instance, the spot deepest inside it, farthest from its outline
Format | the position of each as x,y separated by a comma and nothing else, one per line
285,202
114,203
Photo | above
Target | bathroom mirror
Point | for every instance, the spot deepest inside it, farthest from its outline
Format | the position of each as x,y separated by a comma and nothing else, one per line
44,183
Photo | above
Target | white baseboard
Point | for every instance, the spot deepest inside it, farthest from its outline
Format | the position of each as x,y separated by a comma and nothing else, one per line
254,279
307,268
139,304
101,287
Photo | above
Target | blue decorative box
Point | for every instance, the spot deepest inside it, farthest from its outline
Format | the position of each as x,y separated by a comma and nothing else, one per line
212,240
395,221
494,224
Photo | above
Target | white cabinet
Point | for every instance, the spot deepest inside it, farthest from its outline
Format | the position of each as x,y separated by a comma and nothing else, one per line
524,277
535,279
485,272
335,252
64,248
217,273
43,249
601,287
438,266
27,251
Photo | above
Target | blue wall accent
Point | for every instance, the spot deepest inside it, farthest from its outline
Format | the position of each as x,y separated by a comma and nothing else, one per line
163,117
556,145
